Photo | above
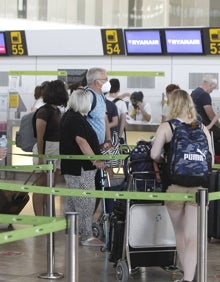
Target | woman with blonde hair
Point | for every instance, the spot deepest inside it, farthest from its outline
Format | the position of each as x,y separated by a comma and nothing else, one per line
183,214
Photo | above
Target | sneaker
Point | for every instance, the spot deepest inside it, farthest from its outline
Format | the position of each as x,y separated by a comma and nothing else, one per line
92,242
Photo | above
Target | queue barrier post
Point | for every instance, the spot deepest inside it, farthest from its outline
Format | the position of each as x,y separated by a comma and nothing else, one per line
72,248
202,201
50,208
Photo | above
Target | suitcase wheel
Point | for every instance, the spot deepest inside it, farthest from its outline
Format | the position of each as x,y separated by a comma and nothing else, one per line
97,229
122,273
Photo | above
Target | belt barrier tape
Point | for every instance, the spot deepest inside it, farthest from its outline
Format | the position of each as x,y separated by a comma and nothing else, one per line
45,225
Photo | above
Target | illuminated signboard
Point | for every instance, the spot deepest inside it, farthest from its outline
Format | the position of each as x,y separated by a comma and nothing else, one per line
143,42
212,41
113,42
16,42
183,41
3,50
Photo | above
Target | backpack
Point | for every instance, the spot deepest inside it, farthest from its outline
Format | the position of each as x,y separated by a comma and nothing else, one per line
145,171
24,138
189,159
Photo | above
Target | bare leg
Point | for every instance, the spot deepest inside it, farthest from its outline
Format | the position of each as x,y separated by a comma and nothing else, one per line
185,226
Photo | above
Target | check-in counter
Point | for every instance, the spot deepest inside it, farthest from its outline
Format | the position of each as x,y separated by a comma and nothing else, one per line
137,130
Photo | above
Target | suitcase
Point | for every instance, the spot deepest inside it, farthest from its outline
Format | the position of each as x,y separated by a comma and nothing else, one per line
214,207
116,230
12,202
151,237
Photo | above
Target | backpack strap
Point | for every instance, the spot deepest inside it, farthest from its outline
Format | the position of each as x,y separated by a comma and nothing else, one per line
116,100
94,100
172,122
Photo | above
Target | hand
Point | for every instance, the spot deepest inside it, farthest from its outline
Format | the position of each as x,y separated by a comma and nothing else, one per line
107,145
99,164
3,152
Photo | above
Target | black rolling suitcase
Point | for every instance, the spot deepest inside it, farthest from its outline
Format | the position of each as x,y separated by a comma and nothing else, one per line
214,207
116,230
13,202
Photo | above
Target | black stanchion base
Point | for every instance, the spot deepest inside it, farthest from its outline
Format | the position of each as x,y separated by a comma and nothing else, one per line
52,276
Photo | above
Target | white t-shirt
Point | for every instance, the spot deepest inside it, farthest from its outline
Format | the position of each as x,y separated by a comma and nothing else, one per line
138,116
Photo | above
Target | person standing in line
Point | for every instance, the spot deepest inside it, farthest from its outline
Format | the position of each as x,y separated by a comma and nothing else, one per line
114,96
138,110
47,131
79,138
97,82
203,103
169,89
38,96
112,114
183,214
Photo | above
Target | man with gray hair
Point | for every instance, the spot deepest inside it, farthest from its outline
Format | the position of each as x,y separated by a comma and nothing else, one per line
203,102
98,84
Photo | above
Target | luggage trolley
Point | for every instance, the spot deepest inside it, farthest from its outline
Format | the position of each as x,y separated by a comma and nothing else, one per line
149,238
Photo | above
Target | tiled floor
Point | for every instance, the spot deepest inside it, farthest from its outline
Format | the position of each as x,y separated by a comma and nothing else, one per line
25,260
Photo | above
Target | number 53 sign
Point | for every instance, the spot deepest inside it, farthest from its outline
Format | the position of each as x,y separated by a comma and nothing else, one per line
113,42
16,42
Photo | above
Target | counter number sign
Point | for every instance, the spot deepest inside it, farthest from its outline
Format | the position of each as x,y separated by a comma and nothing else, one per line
113,42
17,43
214,41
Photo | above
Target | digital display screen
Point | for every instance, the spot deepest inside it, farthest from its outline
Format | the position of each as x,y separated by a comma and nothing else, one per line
212,41
3,50
183,41
143,42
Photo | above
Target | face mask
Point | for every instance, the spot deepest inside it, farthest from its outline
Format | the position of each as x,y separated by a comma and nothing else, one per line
106,87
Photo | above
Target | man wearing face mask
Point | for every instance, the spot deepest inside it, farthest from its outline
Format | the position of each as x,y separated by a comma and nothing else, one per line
98,83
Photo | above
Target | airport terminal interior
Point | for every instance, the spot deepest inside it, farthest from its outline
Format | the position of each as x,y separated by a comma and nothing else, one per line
61,39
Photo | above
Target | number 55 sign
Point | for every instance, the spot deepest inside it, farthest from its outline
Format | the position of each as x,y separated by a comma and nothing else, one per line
16,42
113,42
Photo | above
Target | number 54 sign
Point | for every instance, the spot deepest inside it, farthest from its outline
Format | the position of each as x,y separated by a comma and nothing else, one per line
113,42
16,42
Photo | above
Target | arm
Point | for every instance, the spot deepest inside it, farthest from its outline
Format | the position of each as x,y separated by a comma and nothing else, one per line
209,142
87,150
211,114
114,122
107,129
3,152
124,95
41,128
146,116
163,135
122,124
214,120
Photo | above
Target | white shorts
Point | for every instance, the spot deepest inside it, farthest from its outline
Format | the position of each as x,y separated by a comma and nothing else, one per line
51,148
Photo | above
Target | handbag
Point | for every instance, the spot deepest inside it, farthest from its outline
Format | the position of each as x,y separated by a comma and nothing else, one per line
114,150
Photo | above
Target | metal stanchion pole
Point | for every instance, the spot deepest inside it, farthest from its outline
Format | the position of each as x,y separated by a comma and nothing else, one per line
72,271
50,274
202,201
